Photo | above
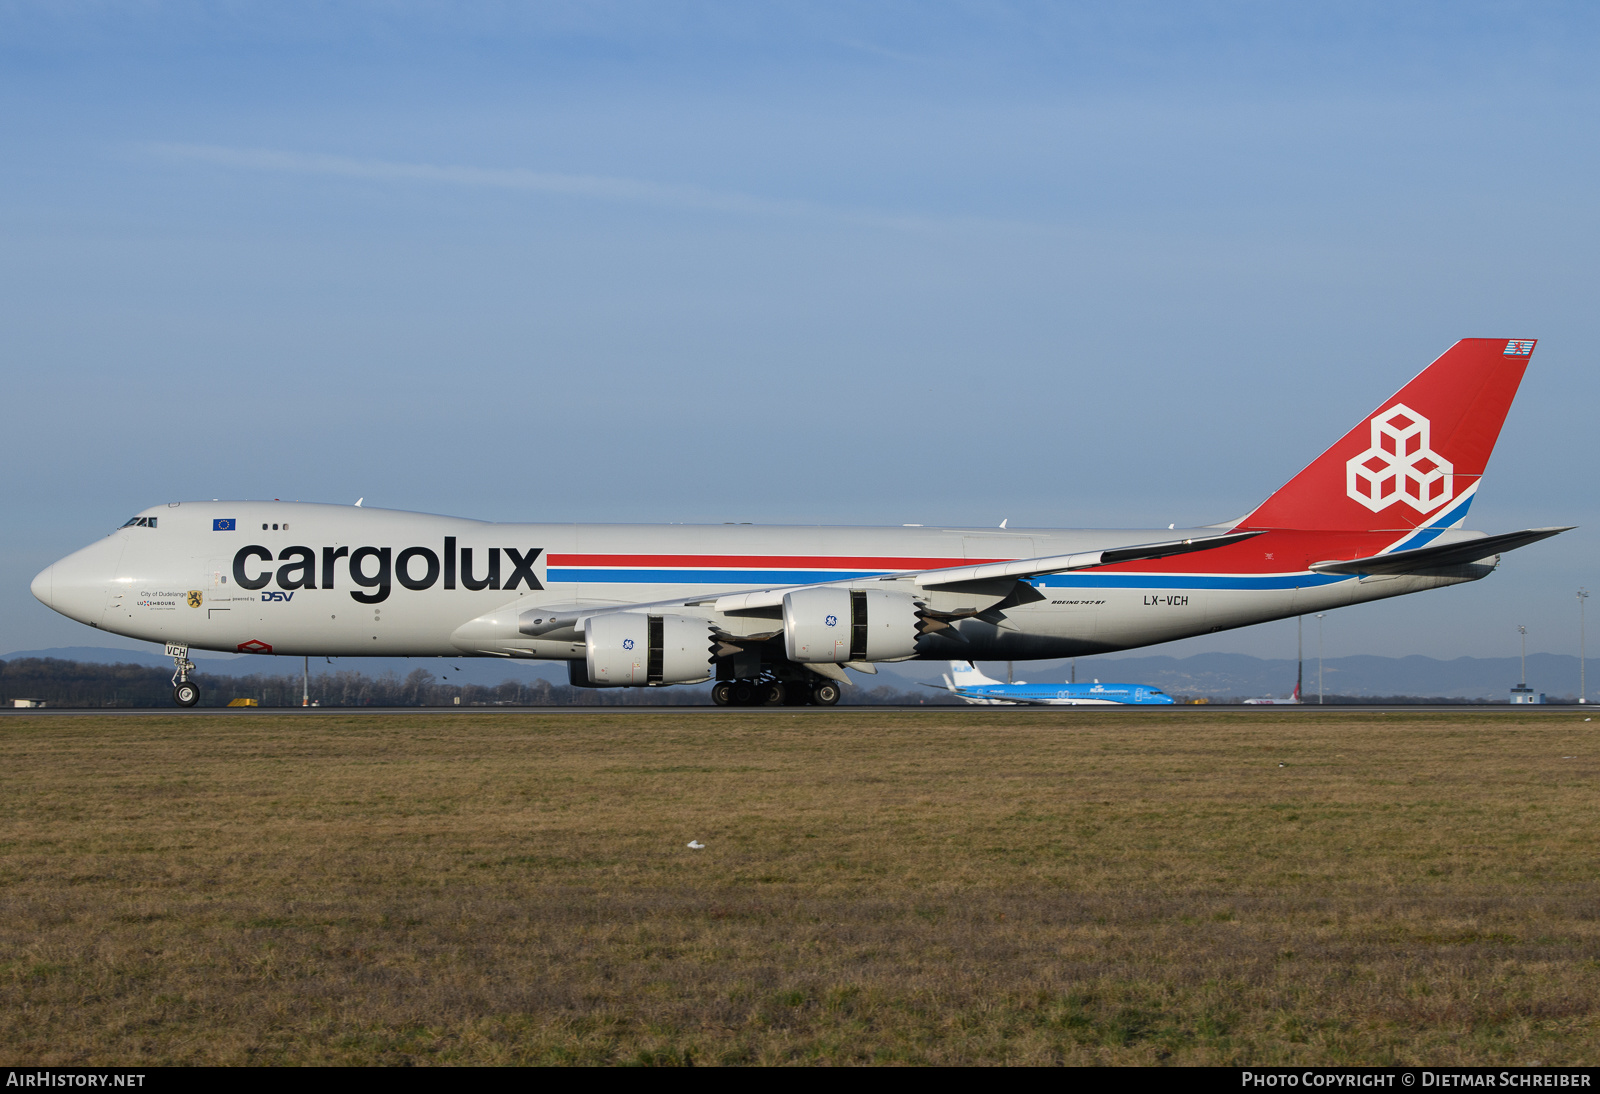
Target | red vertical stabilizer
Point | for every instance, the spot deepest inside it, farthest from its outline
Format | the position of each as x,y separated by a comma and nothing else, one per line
1414,459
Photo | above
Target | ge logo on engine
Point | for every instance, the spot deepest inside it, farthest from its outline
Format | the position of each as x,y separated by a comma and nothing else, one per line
832,621
627,643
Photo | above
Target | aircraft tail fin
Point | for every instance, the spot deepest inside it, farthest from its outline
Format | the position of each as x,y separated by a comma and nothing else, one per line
964,674
1417,459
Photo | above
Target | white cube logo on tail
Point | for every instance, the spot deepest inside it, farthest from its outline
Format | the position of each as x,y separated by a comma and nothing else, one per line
1400,466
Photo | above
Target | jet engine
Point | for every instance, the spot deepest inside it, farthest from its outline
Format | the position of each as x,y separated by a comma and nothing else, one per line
839,625
635,649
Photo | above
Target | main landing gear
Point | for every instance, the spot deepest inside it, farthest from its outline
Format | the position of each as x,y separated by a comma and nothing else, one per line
184,693
774,693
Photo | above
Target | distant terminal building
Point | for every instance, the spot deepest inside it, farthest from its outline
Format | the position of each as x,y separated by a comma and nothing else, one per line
1522,693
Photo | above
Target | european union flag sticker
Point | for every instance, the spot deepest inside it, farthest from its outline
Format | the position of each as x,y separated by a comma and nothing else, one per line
221,525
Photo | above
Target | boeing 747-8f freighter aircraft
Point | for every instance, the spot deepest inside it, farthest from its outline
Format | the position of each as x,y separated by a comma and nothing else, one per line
775,614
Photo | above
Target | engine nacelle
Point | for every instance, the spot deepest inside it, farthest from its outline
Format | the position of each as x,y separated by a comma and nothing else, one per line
839,625
636,650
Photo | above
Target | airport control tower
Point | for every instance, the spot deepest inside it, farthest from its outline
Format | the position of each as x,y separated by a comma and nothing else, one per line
1522,693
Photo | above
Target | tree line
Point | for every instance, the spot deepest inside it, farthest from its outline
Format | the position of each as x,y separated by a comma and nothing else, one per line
80,684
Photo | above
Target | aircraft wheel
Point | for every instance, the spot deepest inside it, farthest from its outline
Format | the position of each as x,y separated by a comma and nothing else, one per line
743,693
186,695
773,693
825,694
722,693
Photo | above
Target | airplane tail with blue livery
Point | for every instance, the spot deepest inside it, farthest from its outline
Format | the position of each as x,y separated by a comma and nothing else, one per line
776,615
965,677
966,674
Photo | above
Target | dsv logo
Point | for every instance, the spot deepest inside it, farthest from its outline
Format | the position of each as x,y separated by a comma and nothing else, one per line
376,569
267,598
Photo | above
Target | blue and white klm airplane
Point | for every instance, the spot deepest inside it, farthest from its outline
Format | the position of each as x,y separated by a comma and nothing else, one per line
966,681
776,614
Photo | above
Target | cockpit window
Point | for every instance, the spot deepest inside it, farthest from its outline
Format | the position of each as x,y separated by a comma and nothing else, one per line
140,522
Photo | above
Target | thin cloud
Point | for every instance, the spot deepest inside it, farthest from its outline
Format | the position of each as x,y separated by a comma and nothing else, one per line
596,187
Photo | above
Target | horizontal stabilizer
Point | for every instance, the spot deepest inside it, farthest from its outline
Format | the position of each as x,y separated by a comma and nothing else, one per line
1449,554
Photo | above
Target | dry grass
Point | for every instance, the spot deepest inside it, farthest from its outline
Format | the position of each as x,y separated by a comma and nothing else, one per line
960,887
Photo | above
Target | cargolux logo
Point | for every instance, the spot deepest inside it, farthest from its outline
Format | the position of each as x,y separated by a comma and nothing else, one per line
1400,466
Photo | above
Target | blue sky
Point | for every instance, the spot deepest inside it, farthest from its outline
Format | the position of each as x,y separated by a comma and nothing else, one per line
1067,265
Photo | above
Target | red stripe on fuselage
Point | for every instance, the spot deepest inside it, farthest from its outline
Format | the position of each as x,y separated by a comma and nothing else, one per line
768,562
1274,552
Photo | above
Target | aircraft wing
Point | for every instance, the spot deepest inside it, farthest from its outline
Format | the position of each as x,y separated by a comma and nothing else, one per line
989,571
1449,554
1056,564
964,693
566,623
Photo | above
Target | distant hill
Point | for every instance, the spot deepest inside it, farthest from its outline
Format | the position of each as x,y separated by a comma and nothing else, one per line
1214,675
483,671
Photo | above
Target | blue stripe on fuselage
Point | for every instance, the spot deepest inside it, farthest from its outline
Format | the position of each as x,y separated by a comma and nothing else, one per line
1424,536
734,578
1187,581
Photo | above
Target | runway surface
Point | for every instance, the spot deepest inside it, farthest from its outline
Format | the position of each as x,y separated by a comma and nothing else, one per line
1198,711
924,884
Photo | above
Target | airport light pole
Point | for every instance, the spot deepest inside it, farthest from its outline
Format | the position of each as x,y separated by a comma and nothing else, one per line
305,684
1299,656
1583,685
1320,617
1524,632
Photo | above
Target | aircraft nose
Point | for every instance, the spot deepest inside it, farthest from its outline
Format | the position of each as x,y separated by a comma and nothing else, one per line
77,586
43,585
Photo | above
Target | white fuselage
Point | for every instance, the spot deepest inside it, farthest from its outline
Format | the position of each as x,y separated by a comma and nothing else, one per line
183,581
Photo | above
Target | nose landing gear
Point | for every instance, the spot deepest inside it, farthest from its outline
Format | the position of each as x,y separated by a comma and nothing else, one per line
184,693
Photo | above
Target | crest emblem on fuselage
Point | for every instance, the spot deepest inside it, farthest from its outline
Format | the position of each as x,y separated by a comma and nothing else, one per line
195,599
1400,465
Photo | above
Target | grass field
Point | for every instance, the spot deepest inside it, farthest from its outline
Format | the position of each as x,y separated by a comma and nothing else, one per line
963,887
